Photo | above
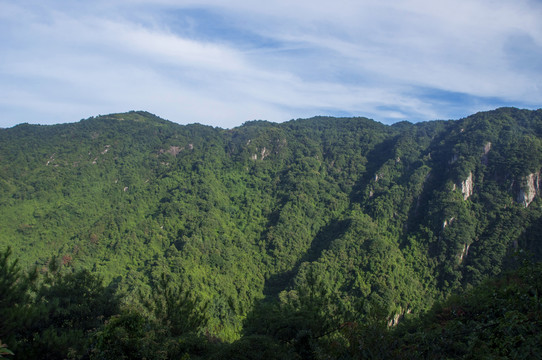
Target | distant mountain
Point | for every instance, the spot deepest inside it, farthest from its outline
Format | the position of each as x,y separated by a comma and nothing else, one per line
374,218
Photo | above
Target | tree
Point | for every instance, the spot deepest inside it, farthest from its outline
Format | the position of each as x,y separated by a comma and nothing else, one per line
15,302
72,306
177,310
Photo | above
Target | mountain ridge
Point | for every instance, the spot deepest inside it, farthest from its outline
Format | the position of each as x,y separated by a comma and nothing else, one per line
390,217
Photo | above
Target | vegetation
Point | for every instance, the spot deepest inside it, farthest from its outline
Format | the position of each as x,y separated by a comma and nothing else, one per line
141,238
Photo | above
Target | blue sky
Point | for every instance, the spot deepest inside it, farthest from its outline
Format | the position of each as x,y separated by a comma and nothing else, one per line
222,63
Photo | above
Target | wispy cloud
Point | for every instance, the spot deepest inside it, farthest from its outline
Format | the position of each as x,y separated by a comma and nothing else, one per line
223,63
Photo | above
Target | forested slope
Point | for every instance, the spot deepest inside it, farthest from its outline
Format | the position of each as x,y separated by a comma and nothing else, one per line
367,218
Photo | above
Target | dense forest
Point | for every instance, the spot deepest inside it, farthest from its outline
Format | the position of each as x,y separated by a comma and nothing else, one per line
129,236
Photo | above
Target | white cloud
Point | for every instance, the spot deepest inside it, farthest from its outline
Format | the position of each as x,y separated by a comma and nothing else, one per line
454,46
365,58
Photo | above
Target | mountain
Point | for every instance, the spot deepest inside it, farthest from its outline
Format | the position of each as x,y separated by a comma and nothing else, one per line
369,218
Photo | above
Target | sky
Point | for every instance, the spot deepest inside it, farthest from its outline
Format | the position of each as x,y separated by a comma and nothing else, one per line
223,63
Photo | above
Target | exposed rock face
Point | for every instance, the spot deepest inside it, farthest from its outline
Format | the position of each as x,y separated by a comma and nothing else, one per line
487,147
174,150
467,187
464,253
448,222
529,189
393,321
264,153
